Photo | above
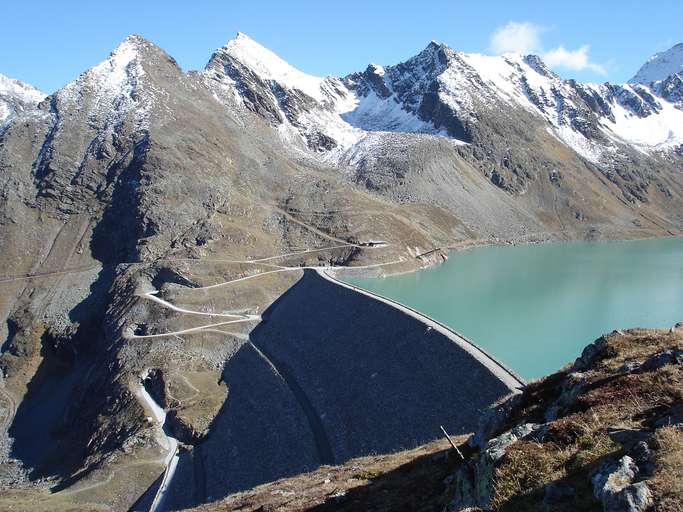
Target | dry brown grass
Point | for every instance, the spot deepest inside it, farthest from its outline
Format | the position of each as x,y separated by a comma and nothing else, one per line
637,345
668,478
412,480
527,468
578,442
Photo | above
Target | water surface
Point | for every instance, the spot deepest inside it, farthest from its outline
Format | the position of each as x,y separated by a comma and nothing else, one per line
535,307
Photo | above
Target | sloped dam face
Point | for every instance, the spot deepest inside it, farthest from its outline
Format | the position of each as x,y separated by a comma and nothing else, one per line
331,374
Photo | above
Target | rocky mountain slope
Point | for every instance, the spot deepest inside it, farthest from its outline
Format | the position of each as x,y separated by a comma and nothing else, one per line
150,218
441,91
605,433
463,96
549,144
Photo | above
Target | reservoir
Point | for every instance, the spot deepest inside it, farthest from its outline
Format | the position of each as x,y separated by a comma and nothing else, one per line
535,307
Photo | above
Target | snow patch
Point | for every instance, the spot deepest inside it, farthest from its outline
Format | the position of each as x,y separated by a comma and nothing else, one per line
575,140
18,89
660,130
373,113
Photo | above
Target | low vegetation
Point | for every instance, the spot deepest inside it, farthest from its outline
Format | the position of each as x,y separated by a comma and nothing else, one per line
618,404
668,479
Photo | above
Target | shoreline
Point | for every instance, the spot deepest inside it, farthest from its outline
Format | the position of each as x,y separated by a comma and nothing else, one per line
466,245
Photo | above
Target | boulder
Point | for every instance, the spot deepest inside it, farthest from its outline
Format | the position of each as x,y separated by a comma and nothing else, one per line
571,389
673,417
613,486
474,483
589,355
661,359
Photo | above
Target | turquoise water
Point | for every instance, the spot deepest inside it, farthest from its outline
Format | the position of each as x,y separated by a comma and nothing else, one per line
536,306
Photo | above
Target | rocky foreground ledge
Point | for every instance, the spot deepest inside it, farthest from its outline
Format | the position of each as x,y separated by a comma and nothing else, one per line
605,433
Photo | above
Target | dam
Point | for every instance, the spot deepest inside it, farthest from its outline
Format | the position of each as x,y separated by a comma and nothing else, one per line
329,374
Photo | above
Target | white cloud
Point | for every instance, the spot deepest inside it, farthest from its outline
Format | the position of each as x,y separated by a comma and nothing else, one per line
517,37
576,60
525,37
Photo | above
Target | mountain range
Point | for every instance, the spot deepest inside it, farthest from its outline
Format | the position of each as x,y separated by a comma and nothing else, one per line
140,199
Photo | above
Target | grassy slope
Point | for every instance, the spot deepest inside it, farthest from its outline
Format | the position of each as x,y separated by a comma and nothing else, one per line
613,407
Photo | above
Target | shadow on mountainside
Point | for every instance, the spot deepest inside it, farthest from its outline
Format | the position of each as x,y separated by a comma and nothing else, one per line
414,480
49,432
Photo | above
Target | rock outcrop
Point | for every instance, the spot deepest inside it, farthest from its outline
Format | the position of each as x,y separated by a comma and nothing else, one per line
597,445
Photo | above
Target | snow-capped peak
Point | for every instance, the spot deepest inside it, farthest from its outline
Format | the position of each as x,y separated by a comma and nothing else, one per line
117,71
16,96
112,89
117,62
10,86
269,66
442,92
376,69
660,66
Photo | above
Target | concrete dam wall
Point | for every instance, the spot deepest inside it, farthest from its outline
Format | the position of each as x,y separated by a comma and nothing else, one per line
331,374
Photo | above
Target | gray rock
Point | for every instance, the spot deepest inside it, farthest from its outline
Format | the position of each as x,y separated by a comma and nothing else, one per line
474,487
629,367
641,453
661,359
672,417
632,498
629,437
572,387
493,419
613,486
496,447
613,476
589,355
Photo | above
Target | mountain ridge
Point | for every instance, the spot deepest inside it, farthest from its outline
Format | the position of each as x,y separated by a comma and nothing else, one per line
16,97
454,75
642,117
660,66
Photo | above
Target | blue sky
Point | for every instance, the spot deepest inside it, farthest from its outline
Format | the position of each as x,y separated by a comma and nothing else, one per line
48,43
